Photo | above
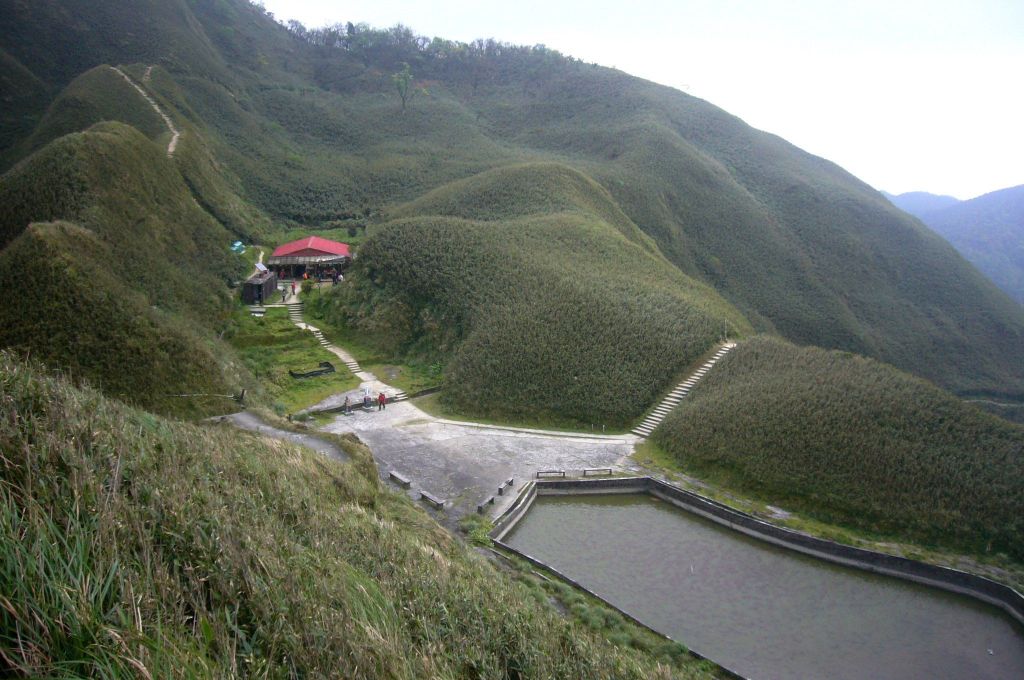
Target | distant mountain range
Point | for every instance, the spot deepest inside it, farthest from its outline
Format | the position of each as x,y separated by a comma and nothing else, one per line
987,230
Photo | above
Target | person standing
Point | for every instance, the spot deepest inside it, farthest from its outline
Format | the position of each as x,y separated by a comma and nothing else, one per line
348,407
382,402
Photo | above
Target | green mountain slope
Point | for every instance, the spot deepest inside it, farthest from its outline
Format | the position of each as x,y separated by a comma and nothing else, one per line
309,130
919,203
989,232
72,311
852,441
136,546
558,315
129,295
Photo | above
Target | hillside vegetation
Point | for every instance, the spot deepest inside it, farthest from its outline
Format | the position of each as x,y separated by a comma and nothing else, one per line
989,232
72,311
557,315
304,126
136,546
127,286
854,442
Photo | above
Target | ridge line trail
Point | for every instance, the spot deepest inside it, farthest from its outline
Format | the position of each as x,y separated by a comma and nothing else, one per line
175,134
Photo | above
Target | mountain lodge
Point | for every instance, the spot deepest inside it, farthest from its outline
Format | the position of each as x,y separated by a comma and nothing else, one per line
319,257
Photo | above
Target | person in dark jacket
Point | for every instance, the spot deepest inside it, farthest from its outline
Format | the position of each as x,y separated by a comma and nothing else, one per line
382,402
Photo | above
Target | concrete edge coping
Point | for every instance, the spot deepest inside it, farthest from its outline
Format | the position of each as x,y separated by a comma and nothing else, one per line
626,615
980,588
603,438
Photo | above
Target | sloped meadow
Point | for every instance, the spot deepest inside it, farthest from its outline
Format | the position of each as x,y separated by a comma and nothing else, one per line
557,315
854,442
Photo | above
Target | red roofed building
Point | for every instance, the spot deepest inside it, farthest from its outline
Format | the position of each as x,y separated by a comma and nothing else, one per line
317,255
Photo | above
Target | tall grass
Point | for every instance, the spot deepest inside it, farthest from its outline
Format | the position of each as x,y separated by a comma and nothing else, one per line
556,316
134,546
854,442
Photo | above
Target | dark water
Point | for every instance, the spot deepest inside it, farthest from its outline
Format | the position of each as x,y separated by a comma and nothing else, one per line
763,611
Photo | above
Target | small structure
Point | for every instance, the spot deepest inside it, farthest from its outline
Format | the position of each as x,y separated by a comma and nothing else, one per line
259,288
320,257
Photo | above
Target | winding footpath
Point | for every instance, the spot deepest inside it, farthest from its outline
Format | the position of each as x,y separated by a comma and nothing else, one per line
175,133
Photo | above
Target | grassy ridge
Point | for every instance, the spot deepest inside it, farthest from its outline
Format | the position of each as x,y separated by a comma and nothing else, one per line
854,442
136,546
120,185
72,311
98,95
128,290
557,315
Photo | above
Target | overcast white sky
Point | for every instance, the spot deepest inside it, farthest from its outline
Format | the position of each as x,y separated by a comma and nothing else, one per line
908,95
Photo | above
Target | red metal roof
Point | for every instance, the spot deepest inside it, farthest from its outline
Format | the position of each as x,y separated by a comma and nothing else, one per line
311,245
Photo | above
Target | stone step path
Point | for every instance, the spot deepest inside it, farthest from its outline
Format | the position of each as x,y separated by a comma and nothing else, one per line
295,315
655,417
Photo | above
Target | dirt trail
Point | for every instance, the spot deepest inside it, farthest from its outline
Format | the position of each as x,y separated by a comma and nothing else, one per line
175,133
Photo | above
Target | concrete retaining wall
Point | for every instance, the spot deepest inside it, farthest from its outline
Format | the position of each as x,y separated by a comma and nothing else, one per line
986,590
515,512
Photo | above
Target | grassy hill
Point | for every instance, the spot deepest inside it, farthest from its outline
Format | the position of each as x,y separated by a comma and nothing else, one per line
134,545
72,311
128,287
989,232
569,313
100,94
306,128
308,131
854,442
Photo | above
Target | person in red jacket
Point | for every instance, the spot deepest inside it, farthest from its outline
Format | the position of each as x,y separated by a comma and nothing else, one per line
382,402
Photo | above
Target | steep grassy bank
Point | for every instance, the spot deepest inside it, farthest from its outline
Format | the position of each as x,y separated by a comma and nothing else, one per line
853,442
121,277
134,545
71,311
560,315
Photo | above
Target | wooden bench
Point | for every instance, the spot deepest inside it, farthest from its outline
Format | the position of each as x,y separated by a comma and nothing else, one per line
399,479
550,473
504,485
596,471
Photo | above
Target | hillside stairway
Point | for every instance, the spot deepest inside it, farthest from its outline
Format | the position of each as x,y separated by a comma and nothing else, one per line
655,417
295,315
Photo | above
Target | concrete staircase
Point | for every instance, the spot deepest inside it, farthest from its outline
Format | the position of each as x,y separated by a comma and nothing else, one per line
655,417
295,314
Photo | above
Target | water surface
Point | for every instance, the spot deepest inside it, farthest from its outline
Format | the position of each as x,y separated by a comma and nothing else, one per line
761,610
